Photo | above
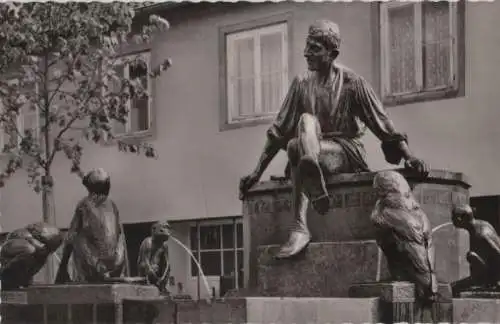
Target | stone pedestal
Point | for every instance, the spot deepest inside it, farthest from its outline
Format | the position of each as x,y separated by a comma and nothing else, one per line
326,269
267,213
86,304
398,304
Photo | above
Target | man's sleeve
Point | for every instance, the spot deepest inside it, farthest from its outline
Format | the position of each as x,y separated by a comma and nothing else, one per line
371,111
283,128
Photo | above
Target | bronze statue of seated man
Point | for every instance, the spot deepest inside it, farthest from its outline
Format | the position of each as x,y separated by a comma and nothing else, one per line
320,126
484,257
25,252
153,261
95,237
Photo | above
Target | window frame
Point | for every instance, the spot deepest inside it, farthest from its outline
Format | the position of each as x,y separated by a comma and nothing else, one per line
226,121
128,134
455,85
218,222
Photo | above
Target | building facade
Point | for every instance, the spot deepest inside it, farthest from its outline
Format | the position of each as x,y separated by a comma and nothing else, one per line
434,65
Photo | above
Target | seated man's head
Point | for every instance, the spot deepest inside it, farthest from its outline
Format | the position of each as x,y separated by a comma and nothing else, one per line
462,216
161,230
322,45
97,182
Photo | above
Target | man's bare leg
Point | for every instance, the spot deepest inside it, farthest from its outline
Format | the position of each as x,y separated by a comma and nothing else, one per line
309,171
299,233
308,146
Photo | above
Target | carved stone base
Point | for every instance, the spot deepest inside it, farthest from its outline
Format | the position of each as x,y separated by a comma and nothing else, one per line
488,294
398,304
322,270
267,213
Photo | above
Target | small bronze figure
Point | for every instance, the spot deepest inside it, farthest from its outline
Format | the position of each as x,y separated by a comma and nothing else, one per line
484,257
320,126
404,234
25,252
95,237
153,262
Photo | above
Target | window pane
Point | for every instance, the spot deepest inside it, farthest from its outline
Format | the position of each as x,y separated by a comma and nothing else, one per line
115,87
210,237
30,119
211,263
194,267
436,43
243,78
193,238
139,119
229,269
10,131
30,123
228,236
402,49
239,235
241,273
271,71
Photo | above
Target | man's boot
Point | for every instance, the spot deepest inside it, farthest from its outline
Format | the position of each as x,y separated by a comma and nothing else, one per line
298,241
313,184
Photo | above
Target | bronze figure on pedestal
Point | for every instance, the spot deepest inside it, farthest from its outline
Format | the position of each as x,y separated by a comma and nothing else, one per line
320,126
153,261
25,252
95,239
484,254
403,232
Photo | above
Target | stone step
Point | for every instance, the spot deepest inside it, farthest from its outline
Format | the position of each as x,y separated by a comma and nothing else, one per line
322,270
477,307
312,310
82,303
262,310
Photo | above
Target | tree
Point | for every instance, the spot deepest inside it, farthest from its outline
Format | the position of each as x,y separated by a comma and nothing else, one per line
58,63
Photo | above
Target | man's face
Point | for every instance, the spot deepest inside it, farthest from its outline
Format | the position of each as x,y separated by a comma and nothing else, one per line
317,55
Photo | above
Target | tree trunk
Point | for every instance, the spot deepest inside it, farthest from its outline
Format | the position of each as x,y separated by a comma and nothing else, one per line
49,217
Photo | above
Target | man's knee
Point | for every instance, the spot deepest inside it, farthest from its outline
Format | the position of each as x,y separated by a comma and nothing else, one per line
308,122
307,118
293,151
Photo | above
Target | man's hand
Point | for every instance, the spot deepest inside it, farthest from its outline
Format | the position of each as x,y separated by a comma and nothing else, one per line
248,182
417,165
153,269
102,270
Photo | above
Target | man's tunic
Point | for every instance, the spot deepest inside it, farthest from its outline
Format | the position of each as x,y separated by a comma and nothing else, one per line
344,106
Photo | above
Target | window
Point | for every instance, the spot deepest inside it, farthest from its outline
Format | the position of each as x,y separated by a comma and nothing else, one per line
28,120
419,48
139,117
219,249
256,72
